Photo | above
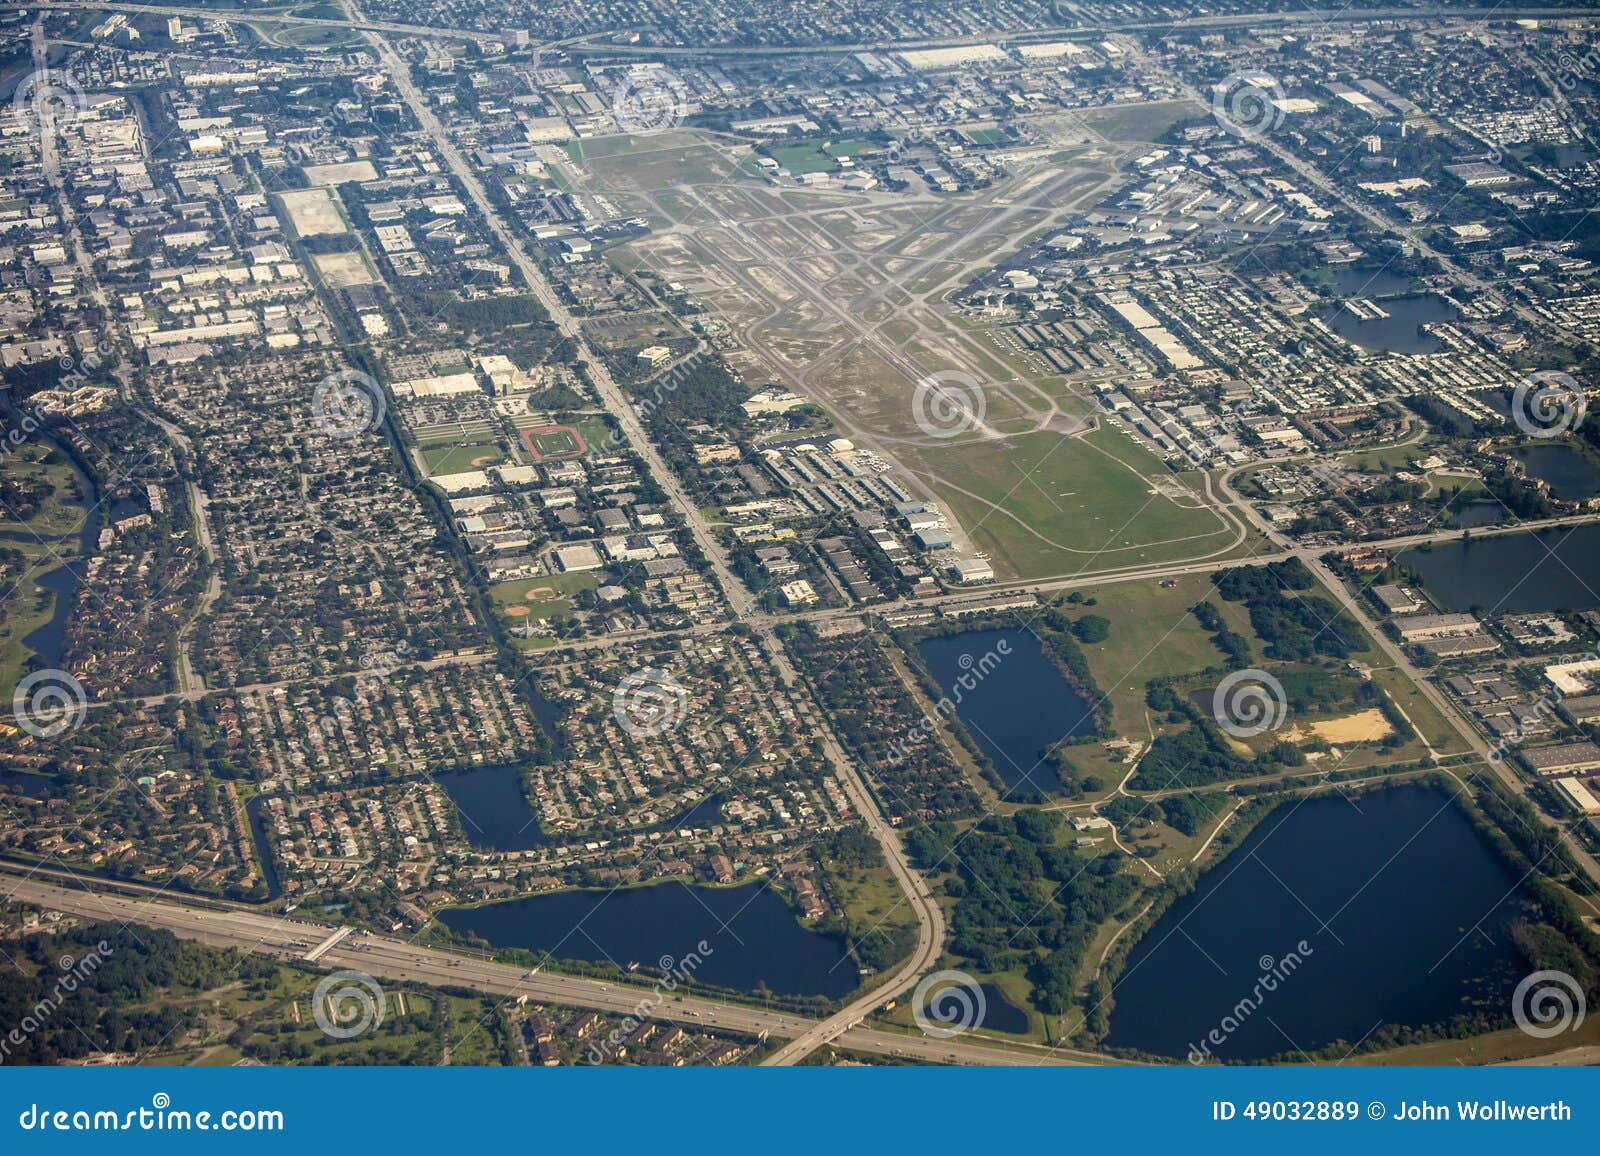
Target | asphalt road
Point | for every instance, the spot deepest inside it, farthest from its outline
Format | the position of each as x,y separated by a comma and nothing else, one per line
396,959
385,958
598,43
930,935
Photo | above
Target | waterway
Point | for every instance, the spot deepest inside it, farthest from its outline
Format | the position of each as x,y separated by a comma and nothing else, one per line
1371,282
706,813
1555,569
48,640
254,811
31,785
1401,331
753,937
1571,475
1021,707
1403,909
549,716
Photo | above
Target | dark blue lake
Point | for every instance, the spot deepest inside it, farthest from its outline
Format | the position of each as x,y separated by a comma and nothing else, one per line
1557,569
1000,1014
493,808
1400,332
753,935
1371,282
1467,513
1404,908
1570,474
34,786
1018,704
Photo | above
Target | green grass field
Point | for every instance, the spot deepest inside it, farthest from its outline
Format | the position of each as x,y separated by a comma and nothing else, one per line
279,1010
654,162
41,543
1387,459
455,459
802,159
1153,635
551,444
985,136
1046,503
311,37
1424,716
596,434
847,148
1140,122
551,596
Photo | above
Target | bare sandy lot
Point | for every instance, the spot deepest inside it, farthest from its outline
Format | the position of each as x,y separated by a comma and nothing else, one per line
313,213
1367,726
339,174
340,270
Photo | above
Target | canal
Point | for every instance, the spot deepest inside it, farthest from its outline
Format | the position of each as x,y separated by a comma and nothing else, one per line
48,640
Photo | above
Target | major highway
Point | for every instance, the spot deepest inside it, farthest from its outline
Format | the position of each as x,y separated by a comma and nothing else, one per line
385,958
599,43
